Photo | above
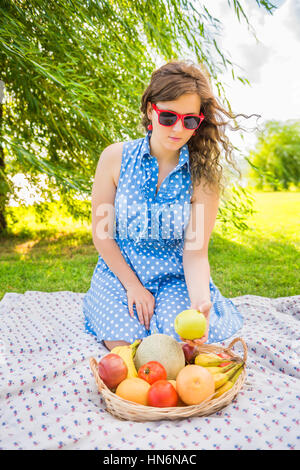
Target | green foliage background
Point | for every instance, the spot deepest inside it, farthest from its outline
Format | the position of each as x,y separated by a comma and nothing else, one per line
74,72
275,161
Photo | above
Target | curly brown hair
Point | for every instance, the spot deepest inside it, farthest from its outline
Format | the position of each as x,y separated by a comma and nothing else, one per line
168,83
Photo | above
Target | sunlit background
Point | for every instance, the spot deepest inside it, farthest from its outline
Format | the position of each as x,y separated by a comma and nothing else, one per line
270,63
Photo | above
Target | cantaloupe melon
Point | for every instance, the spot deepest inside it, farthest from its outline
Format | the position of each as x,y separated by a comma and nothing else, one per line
164,349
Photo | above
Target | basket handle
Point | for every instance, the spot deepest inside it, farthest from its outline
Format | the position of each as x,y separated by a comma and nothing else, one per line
235,340
94,367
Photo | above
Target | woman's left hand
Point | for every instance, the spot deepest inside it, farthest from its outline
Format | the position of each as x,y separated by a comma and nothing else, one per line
204,307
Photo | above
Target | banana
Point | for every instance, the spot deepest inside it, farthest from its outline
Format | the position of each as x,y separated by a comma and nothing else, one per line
223,389
236,375
222,378
218,370
209,360
228,385
127,353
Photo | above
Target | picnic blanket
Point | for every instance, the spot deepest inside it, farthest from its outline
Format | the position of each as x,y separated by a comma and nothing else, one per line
49,399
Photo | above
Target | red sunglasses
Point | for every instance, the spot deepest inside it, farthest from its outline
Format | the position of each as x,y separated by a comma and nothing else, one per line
169,118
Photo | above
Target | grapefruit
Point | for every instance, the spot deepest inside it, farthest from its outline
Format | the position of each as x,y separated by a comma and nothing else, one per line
194,384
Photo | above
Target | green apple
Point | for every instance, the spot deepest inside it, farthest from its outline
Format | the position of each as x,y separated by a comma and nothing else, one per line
190,324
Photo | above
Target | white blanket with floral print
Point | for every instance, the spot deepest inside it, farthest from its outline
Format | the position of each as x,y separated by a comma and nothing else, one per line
49,399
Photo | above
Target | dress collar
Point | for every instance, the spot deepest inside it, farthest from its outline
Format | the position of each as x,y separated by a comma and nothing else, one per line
184,156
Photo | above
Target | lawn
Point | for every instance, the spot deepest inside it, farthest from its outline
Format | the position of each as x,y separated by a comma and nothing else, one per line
262,261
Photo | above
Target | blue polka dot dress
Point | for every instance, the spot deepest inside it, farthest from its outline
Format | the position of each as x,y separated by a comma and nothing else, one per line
149,229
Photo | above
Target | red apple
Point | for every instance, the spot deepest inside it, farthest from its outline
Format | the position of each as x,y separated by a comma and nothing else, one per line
190,352
162,393
112,370
224,355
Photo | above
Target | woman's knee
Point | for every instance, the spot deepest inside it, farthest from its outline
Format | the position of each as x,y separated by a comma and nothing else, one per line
112,344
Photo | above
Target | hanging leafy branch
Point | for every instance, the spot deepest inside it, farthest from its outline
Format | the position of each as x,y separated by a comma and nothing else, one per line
74,72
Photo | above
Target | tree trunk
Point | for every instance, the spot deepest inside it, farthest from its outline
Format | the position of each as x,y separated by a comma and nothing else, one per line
3,184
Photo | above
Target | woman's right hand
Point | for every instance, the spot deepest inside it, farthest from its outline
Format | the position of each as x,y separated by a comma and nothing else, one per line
144,301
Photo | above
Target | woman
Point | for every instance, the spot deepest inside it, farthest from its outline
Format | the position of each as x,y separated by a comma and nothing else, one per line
154,205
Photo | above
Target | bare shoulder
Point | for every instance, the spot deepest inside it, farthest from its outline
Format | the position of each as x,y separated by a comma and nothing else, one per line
111,157
203,192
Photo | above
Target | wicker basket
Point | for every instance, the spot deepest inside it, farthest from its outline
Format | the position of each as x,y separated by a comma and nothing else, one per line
127,410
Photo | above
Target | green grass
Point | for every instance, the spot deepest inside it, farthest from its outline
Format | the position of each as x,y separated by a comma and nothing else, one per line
262,261
265,259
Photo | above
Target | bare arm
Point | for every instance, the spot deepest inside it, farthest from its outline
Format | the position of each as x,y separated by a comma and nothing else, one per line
103,213
204,211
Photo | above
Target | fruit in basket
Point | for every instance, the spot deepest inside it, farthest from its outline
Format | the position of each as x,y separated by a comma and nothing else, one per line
190,352
194,384
208,360
180,402
163,349
127,353
224,355
228,385
223,377
152,371
134,389
162,393
112,370
218,370
190,324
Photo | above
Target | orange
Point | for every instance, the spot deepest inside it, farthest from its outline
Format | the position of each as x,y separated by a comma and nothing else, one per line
134,389
194,384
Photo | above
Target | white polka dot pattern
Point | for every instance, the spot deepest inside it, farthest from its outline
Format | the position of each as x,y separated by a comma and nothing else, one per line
149,229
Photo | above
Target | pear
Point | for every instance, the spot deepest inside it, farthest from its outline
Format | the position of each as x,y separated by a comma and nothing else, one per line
190,324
